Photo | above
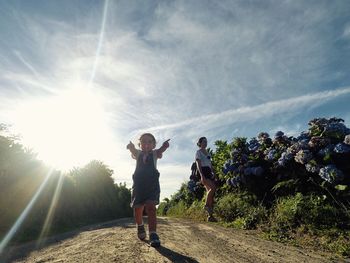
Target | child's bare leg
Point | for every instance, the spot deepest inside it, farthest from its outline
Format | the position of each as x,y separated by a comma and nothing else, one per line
152,217
152,225
138,213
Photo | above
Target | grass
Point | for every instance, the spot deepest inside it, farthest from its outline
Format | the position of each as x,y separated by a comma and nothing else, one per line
305,221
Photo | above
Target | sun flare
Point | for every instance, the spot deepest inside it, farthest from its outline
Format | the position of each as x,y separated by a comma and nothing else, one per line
66,130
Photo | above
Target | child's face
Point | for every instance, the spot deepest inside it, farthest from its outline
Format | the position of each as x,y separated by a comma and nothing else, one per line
147,143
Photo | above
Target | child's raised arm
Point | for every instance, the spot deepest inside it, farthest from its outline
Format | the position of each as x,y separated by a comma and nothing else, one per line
132,149
162,149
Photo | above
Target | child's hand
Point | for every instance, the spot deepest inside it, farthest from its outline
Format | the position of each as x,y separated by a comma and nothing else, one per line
130,146
166,143
162,149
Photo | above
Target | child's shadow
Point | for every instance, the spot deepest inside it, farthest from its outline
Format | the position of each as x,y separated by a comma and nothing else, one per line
174,256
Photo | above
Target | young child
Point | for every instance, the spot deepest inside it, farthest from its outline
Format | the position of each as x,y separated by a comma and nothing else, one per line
145,189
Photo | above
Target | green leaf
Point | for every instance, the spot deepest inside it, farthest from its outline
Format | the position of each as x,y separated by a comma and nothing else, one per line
341,187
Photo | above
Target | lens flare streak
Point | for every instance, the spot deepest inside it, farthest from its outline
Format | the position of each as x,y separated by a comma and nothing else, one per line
24,214
99,46
51,212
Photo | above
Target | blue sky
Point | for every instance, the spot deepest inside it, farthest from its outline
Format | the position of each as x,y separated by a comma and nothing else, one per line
89,76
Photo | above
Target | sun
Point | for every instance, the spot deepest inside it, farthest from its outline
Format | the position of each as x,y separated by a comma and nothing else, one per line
66,130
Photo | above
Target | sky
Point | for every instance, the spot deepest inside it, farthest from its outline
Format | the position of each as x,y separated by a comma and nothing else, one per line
80,79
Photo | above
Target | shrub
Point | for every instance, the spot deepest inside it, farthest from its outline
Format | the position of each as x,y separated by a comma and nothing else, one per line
163,207
284,217
177,210
196,211
313,212
242,209
318,213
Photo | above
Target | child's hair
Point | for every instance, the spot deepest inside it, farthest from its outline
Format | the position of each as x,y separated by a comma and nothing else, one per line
147,134
200,141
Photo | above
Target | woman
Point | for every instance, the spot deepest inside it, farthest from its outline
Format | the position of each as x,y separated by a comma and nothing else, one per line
206,172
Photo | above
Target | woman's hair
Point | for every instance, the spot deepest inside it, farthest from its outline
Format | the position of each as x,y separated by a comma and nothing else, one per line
200,141
147,134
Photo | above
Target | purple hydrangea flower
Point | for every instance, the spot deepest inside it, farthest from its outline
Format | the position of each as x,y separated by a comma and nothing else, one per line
257,171
296,147
335,130
270,154
278,135
331,174
303,136
226,167
244,158
312,168
318,142
235,154
347,139
342,148
253,145
263,137
285,158
192,186
229,166
234,182
332,127
303,156
326,150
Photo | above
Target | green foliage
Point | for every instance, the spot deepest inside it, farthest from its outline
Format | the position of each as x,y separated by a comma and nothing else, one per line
337,241
312,221
180,209
123,197
183,195
231,206
318,213
288,200
242,209
82,196
219,157
239,143
163,207
186,196
314,212
286,186
286,214
196,211
341,187
177,210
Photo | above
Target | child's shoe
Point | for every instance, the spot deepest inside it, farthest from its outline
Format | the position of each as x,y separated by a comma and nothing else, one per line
154,240
141,232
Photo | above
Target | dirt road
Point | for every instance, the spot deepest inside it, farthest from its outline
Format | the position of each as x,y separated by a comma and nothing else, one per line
182,241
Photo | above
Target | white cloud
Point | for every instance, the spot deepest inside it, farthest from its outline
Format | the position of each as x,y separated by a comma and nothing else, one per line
179,69
250,113
346,33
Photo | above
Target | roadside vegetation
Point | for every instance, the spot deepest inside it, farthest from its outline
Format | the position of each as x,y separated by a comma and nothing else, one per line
37,201
292,189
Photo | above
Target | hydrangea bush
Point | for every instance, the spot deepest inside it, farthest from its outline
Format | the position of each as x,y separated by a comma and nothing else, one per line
289,186
318,160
